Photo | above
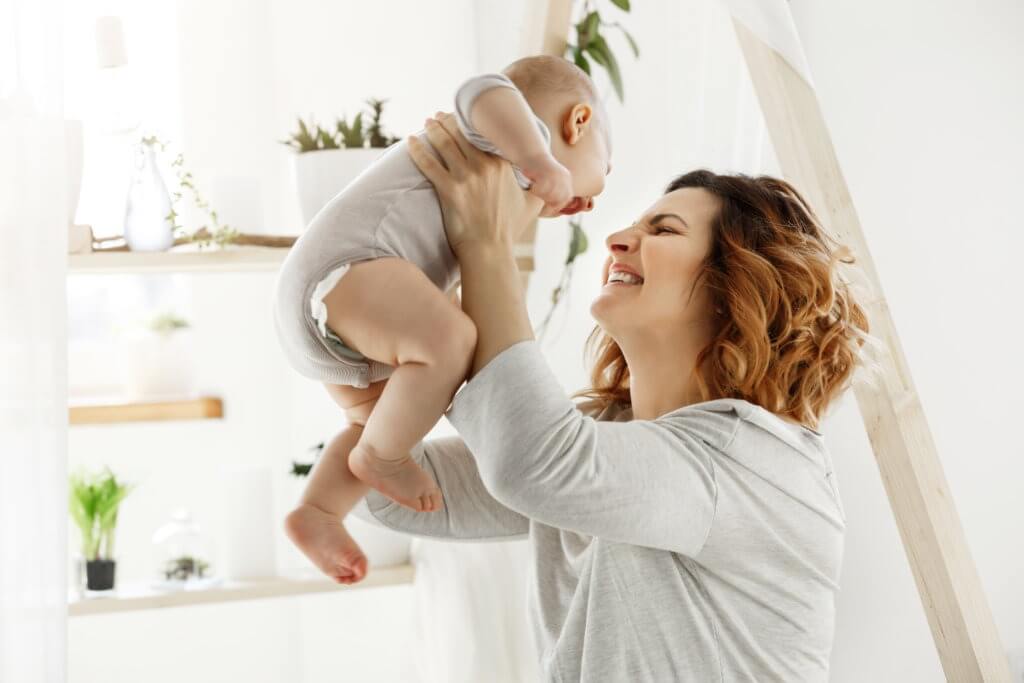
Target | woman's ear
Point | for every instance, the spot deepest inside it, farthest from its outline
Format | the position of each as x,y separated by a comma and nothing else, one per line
577,122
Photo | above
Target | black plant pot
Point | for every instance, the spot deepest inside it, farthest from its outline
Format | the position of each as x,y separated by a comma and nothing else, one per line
99,575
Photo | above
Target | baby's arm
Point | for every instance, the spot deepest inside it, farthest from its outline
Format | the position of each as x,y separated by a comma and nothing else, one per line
503,117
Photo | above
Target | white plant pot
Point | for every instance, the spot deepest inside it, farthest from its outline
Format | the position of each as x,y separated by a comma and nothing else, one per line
159,366
321,175
383,547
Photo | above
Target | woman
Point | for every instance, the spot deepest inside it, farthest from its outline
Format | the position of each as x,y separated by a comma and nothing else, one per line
684,521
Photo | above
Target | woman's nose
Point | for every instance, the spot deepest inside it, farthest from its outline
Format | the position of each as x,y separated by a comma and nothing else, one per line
623,240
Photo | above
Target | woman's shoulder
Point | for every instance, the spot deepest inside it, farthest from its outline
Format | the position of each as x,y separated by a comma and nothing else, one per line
605,410
716,421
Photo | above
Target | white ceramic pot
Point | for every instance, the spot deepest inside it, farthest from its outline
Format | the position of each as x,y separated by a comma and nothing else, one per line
322,174
159,366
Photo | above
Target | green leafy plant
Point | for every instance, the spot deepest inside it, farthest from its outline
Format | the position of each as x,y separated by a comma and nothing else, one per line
590,44
185,567
577,245
375,133
166,323
217,233
354,134
300,469
93,503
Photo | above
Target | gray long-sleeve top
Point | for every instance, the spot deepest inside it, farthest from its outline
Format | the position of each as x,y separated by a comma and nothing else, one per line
704,545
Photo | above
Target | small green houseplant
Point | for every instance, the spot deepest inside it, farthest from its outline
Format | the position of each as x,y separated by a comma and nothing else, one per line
93,502
159,358
342,152
302,469
311,137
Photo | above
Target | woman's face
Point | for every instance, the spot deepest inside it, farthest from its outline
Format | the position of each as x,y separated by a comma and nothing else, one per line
666,247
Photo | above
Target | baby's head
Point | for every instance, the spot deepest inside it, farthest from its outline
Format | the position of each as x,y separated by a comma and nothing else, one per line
564,97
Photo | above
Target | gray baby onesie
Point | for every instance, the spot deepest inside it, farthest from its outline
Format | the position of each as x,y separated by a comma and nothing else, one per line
389,210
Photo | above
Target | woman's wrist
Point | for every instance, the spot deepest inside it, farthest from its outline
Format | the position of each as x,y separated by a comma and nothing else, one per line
492,297
483,249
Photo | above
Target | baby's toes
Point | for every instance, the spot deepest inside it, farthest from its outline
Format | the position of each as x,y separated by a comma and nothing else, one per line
432,501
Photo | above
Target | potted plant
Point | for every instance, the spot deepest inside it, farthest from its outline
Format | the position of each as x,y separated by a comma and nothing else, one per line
382,547
93,504
158,362
328,160
182,551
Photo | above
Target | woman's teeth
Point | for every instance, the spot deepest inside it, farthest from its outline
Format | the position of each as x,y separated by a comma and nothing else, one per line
624,278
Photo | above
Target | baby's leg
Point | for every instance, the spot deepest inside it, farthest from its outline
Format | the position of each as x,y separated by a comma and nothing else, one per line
315,524
389,311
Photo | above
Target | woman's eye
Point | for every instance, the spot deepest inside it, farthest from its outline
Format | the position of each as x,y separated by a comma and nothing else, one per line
658,230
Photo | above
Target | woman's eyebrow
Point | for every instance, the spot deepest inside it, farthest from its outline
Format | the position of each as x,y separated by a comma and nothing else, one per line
679,218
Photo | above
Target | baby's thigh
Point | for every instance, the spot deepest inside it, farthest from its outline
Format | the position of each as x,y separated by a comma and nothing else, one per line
388,310
357,403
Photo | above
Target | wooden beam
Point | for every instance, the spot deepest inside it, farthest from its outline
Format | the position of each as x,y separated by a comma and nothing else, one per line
947,581
550,39
556,27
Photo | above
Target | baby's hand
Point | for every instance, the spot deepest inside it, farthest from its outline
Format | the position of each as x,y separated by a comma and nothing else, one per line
550,180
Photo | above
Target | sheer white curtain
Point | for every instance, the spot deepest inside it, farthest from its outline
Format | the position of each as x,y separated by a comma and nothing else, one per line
33,353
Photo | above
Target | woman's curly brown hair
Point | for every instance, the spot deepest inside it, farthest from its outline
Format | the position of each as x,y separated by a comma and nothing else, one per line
787,333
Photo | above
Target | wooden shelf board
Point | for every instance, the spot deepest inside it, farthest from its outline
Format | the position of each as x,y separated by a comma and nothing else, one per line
139,596
203,408
239,259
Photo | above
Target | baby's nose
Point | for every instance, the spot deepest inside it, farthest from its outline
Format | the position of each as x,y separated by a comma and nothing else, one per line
588,204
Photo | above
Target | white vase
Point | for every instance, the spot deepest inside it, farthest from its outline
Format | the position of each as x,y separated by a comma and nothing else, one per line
147,222
321,175
159,365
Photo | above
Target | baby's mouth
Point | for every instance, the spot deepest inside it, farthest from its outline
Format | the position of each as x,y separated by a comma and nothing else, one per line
573,207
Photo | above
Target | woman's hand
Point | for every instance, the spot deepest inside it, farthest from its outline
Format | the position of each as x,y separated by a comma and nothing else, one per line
481,201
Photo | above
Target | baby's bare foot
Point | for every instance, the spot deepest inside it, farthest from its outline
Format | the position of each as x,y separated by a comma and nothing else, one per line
323,539
401,480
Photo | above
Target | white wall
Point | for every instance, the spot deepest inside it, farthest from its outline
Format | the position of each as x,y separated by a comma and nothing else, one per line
921,107
924,102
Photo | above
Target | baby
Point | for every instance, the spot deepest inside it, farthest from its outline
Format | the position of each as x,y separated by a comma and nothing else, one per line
366,301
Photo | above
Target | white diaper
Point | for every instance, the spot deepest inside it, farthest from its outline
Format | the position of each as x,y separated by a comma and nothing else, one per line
316,302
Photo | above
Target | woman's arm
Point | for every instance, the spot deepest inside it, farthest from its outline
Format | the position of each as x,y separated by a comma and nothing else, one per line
644,482
481,234
469,513
648,483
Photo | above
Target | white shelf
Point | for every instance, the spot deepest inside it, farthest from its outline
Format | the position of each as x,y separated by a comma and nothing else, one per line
140,596
214,260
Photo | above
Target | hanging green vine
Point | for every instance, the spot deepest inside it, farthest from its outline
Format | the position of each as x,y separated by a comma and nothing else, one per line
590,45
218,234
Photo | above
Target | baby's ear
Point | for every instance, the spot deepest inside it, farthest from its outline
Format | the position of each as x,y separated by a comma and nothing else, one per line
577,122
